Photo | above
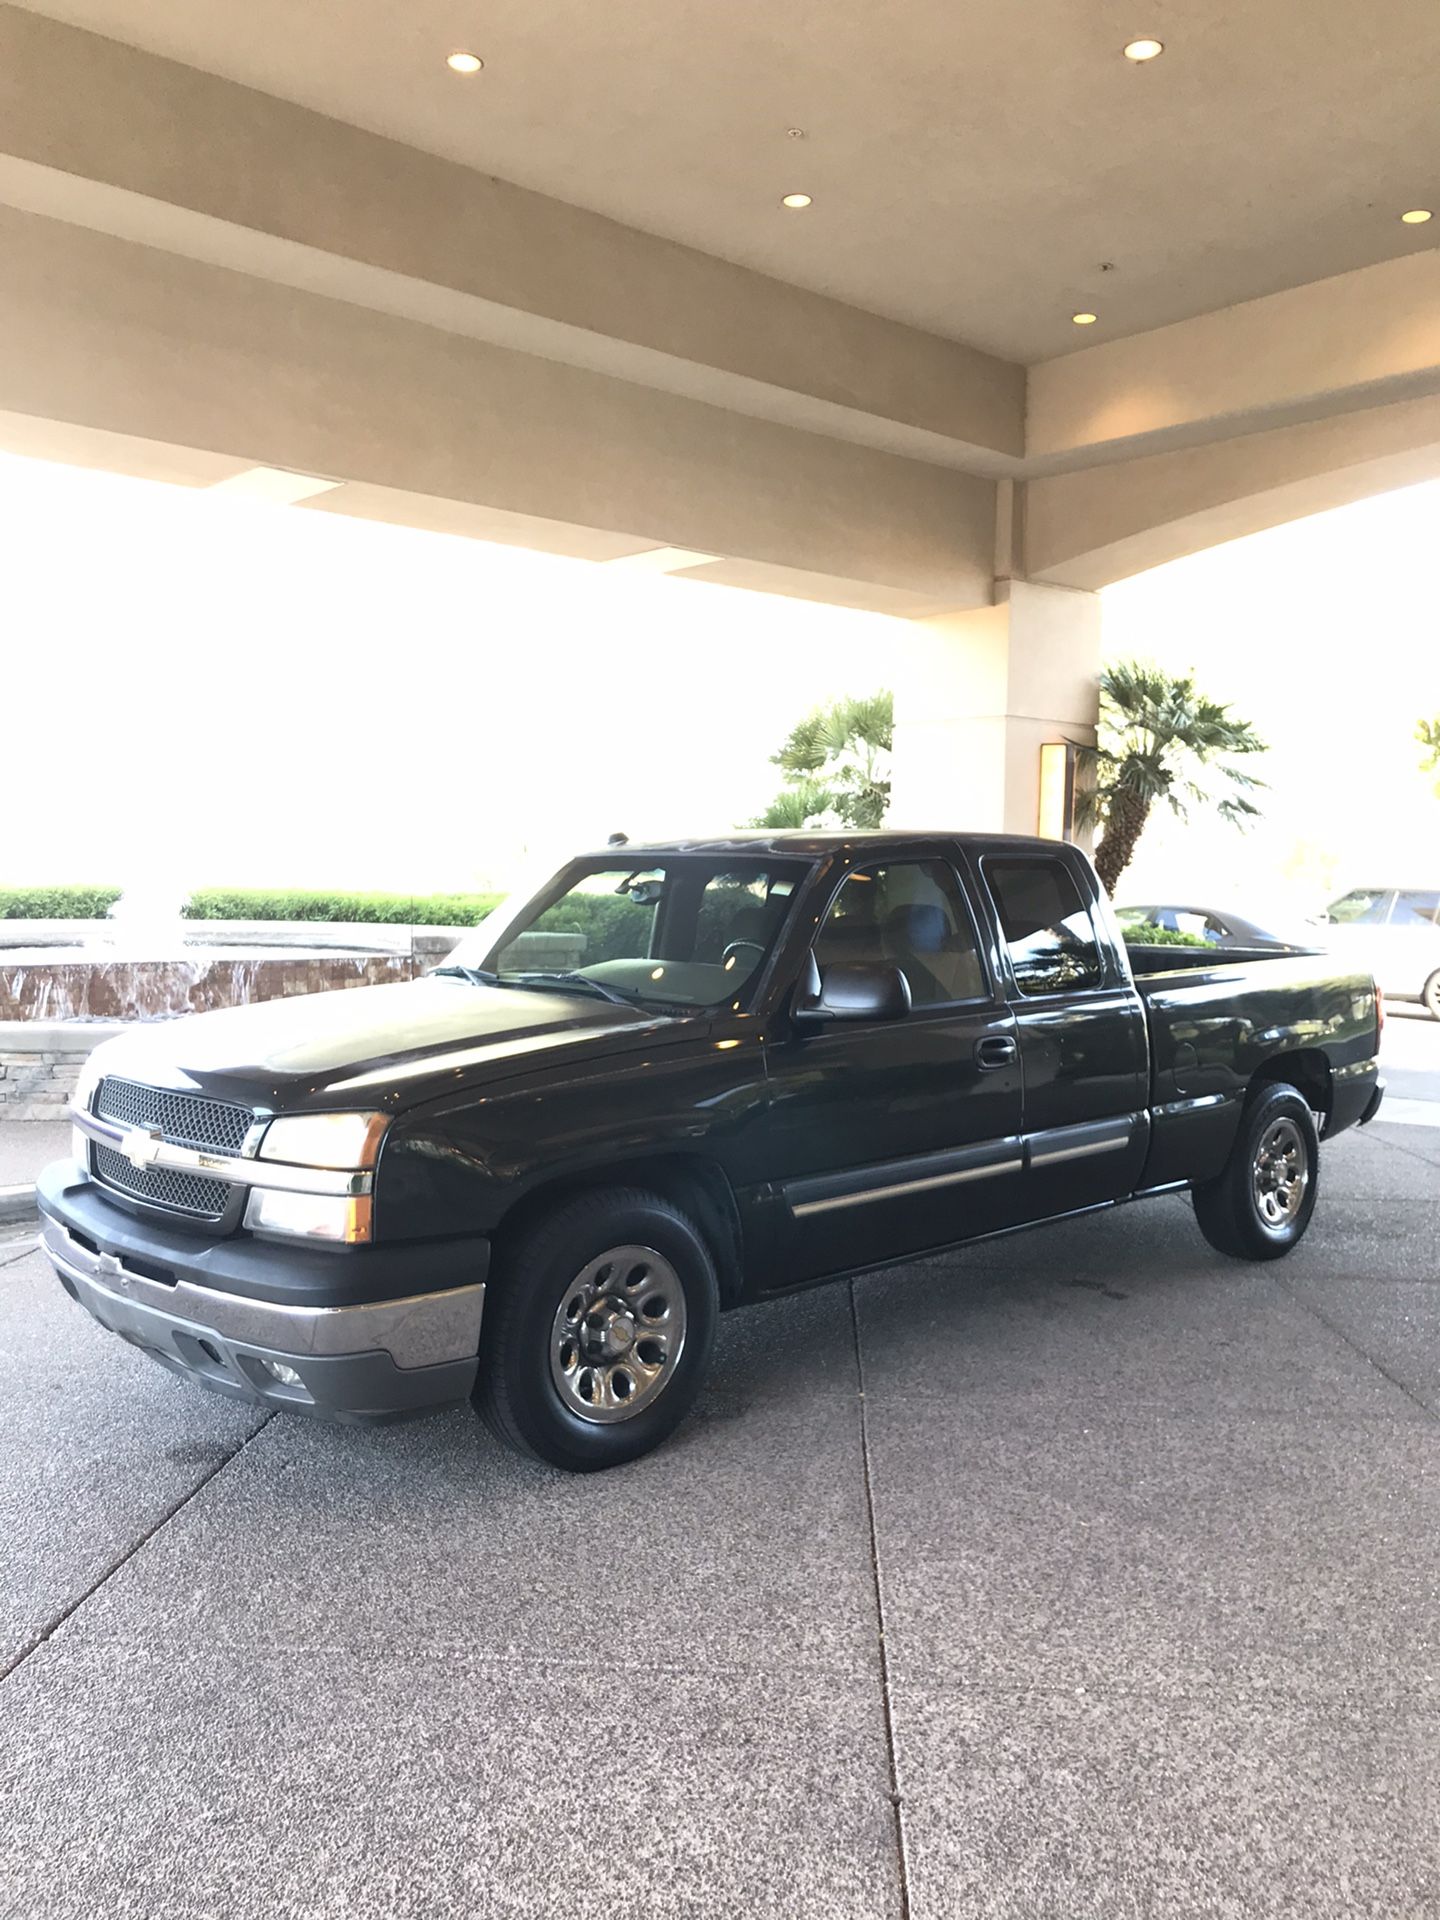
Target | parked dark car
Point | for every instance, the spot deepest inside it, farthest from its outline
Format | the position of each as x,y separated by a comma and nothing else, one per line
1217,927
681,1077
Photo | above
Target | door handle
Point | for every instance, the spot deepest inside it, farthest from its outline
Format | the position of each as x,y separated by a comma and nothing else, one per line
995,1050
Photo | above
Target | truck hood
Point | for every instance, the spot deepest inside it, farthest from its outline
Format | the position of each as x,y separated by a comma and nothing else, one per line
389,1047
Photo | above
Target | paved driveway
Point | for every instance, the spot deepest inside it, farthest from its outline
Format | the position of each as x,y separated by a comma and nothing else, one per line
1087,1574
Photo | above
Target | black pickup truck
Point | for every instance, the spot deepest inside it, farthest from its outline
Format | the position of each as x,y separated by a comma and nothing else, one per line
679,1078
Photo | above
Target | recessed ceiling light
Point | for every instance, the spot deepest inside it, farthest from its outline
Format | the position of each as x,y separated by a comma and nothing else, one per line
1084,319
464,62
1141,50
796,200
1416,217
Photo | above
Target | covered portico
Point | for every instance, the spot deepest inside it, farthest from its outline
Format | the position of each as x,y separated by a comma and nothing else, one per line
554,303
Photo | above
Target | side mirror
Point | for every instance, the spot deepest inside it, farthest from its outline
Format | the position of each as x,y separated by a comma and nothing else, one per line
850,993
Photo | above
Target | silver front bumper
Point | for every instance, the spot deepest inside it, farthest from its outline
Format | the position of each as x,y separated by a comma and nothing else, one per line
372,1362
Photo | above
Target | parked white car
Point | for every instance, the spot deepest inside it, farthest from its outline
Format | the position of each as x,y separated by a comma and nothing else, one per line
1395,932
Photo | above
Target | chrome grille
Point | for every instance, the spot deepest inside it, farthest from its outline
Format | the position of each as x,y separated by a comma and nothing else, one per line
170,1187
184,1119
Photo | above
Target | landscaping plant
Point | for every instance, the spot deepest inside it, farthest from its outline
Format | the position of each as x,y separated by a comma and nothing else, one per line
57,903
388,909
1160,739
836,764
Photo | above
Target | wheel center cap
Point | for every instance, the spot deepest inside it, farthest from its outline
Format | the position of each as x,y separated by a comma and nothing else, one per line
609,1336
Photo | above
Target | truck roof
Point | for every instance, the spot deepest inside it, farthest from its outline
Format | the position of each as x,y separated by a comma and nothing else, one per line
785,840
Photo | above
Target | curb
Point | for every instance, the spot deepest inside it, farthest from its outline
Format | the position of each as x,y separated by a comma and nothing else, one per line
17,1205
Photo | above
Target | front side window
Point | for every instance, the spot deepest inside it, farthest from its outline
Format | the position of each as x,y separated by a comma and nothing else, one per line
1047,926
1363,906
908,914
686,932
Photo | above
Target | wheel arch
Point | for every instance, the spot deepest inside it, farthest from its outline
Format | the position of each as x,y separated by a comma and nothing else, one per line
1304,1068
689,1181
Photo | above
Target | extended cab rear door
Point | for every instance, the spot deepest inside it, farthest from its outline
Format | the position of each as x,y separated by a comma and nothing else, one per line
891,1136
1084,1056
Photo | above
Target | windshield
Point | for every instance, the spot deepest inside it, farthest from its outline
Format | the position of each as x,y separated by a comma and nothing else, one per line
686,931
1364,906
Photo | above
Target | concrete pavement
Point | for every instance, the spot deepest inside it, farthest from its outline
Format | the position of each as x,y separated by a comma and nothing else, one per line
1084,1574
28,1145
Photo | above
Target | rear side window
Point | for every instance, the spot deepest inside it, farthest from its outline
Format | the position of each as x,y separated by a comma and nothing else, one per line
1047,927
1416,910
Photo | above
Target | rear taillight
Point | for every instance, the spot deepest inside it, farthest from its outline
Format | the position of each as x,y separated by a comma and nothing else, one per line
1379,1011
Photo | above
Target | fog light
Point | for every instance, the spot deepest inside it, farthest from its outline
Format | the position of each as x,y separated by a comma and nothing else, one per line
287,1376
317,1216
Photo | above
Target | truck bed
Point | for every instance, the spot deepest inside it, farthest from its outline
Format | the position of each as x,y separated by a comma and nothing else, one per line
1148,961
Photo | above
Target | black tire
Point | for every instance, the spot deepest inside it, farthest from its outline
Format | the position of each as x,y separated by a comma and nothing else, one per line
526,1393
1430,995
1230,1210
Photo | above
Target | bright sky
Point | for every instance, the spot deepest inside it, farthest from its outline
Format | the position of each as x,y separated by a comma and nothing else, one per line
215,691
210,690
1326,635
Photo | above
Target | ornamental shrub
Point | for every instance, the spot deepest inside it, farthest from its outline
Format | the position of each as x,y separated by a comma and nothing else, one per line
387,909
57,903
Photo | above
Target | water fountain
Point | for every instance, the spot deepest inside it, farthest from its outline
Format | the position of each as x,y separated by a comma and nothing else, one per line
148,963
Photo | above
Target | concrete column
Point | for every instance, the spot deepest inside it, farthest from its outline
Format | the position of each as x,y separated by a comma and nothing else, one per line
977,696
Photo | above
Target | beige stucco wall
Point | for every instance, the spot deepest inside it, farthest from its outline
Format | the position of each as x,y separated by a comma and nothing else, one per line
91,110
977,695
1374,333
1090,528
136,341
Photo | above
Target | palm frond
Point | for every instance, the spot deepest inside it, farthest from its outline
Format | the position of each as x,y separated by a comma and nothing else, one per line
1161,741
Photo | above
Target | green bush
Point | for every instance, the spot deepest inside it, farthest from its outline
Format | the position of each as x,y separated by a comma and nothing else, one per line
57,903
388,909
1164,937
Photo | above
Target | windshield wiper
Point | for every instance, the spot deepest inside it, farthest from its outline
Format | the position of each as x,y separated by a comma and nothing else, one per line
477,976
581,980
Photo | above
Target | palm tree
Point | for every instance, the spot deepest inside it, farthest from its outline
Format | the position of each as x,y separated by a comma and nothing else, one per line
1157,738
836,764
1427,732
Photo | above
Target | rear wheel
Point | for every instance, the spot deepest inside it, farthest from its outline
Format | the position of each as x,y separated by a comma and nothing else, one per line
1260,1205
597,1330
1430,995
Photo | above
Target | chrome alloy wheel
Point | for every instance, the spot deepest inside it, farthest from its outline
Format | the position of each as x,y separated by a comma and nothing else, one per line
618,1334
1281,1174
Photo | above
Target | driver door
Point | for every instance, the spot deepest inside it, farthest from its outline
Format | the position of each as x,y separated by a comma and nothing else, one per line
893,1136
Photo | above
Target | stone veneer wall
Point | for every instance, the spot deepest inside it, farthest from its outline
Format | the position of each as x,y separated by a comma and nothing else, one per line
40,1062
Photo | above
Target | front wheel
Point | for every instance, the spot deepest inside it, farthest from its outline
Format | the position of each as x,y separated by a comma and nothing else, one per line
1430,995
1260,1205
597,1330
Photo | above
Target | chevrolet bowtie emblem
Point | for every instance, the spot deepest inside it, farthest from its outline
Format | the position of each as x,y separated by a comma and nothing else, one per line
141,1146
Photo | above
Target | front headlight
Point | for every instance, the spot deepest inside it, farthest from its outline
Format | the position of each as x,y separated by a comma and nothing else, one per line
92,1072
350,1141
315,1216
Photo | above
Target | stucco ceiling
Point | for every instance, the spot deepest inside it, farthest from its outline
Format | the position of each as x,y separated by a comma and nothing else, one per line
972,166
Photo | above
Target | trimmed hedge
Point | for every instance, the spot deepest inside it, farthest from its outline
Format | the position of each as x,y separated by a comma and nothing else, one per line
613,926
57,903
388,909
1164,937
